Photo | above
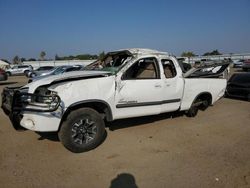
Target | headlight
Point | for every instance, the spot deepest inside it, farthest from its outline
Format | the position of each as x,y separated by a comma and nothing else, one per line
24,90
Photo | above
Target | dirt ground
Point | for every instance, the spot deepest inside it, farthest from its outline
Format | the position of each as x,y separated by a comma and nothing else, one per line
210,150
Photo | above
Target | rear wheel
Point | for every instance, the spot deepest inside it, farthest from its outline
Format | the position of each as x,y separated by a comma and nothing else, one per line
192,112
201,103
26,72
8,73
83,130
32,75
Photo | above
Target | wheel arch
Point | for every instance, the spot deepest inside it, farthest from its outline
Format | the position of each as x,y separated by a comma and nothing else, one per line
100,106
205,96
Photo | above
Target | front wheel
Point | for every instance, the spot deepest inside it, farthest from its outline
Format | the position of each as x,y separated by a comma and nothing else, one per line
83,130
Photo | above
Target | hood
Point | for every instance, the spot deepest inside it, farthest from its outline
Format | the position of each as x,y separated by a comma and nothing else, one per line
69,76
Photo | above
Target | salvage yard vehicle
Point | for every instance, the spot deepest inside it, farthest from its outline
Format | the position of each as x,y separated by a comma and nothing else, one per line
246,65
238,86
19,70
238,63
39,71
124,84
56,71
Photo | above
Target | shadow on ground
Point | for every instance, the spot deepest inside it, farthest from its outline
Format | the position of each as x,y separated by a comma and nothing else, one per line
237,99
123,180
53,136
7,83
125,123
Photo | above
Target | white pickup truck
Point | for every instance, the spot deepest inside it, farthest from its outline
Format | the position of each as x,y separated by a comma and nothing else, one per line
126,83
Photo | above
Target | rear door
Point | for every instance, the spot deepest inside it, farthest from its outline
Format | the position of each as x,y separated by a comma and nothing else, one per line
173,86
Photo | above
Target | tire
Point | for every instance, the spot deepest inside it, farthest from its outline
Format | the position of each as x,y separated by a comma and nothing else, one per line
83,130
8,73
26,72
205,105
192,112
15,120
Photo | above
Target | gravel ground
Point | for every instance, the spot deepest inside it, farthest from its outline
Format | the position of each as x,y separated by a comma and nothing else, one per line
210,150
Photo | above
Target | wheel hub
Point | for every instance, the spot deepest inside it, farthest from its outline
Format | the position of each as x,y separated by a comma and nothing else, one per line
83,131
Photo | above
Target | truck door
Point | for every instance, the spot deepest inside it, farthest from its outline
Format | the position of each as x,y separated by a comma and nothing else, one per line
139,89
173,86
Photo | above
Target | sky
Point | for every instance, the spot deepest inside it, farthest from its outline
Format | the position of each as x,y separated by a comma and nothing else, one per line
71,27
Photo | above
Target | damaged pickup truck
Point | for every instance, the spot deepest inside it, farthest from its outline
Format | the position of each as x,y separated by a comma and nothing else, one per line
125,84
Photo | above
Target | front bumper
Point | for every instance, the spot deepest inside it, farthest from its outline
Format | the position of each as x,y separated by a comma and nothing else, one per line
13,99
30,110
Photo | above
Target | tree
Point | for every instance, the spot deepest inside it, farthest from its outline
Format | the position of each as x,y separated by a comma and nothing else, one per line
23,59
187,54
31,59
101,55
214,52
57,57
16,60
42,55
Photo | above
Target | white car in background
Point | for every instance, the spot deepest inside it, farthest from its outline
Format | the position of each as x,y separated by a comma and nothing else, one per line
238,63
19,70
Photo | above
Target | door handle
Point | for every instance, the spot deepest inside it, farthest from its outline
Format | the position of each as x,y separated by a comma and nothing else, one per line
167,84
158,85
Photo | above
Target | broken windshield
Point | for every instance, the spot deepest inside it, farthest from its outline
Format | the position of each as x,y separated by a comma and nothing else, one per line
112,62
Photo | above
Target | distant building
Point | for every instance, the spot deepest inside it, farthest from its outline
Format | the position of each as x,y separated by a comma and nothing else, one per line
36,64
4,65
218,57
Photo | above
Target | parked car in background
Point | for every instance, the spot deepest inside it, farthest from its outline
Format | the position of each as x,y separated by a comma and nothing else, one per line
39,71
56,71
3,75
239,86
246,65
19,70
238,63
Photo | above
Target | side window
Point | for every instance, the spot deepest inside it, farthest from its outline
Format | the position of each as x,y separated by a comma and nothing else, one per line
142,69
22,66
169,68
